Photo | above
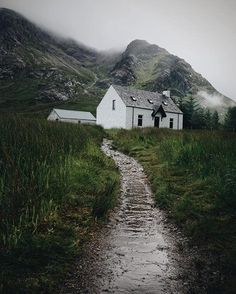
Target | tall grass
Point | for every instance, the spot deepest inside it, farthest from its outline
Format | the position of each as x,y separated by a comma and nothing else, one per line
46,170
209,157
193,174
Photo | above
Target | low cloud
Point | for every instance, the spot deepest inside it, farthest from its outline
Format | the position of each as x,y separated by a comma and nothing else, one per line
211,100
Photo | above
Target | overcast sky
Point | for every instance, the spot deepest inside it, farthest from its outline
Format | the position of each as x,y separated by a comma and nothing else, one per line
203,32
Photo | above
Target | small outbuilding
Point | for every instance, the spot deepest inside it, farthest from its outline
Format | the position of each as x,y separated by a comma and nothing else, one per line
72,116
128,108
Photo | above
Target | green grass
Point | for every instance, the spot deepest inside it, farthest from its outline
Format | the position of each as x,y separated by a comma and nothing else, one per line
54,182
147,69
193,175
21,97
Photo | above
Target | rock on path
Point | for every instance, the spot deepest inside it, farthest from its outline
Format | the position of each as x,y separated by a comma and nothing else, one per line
137,251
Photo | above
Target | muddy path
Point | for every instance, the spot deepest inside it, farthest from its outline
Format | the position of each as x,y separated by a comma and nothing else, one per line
138,250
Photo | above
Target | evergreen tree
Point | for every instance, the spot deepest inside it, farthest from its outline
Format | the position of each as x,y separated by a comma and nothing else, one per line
215,120
180,103
191,108
197,117
208,119
230,118
197,120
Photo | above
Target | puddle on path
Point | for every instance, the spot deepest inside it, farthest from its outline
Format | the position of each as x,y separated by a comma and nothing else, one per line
137,250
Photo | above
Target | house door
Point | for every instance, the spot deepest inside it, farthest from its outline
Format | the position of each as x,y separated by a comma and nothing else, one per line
156,121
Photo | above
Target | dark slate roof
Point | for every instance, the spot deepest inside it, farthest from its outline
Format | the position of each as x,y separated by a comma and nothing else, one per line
143,97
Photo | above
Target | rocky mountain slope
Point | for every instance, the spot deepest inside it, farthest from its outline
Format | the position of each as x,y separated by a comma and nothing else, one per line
153,68
39,70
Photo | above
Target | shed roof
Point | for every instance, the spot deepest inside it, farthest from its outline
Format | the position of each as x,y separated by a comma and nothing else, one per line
72,114
145,99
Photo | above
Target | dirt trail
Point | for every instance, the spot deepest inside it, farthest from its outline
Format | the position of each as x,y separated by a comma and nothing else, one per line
138,251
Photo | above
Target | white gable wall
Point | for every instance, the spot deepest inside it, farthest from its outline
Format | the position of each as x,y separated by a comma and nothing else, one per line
181,123
106,116
53,115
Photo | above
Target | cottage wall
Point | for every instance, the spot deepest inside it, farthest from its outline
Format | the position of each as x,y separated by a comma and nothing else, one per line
109,117
53,115
177,121
181,123
78,121
132,114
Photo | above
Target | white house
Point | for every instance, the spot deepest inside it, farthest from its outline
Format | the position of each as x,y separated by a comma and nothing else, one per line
127,108
72,116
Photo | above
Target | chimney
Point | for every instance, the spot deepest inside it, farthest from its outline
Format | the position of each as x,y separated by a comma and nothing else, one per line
166,93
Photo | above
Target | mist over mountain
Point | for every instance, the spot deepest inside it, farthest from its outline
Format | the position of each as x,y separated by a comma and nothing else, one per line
39,70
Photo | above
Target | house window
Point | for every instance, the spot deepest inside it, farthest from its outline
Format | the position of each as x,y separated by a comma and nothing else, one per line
140,120
171,123
113,104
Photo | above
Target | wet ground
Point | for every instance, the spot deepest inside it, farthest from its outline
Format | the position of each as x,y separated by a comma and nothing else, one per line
138,250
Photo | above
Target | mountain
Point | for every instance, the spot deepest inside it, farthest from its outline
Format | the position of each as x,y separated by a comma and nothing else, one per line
39,70
153,68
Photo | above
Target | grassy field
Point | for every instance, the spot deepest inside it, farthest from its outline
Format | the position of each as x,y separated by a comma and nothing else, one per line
193,175
54,183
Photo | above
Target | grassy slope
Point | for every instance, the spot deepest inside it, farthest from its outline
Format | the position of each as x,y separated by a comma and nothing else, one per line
18,99
193,178
146,71
54,181
22,93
